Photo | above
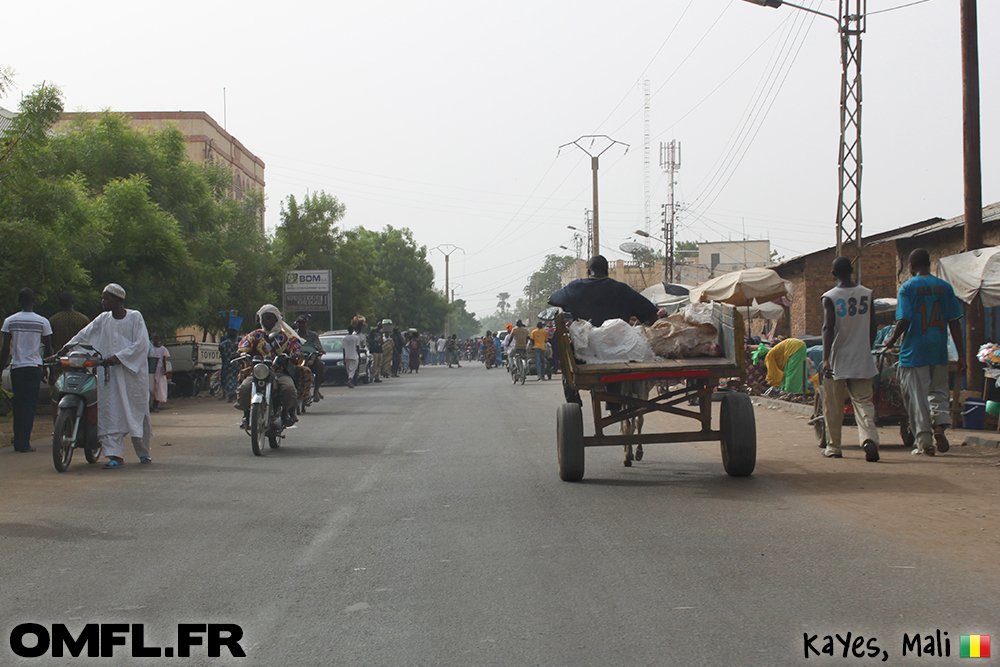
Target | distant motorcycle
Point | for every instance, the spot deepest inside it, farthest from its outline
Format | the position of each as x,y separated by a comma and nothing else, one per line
76,414
265,421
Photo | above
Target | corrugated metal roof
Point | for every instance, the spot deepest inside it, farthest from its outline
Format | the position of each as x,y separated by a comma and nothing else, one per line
6,118
991,213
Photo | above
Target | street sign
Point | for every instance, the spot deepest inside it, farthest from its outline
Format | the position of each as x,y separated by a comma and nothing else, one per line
297,282
307,302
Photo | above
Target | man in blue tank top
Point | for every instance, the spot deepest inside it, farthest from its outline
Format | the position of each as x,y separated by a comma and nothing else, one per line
926,311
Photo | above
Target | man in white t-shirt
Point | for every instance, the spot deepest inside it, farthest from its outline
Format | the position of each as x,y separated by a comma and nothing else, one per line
350,344
442,347
848,367
25,333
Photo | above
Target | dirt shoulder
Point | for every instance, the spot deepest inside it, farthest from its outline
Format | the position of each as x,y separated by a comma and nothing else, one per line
947,506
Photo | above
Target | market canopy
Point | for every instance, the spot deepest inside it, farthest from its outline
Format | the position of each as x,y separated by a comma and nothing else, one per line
974,272
671,296
741,288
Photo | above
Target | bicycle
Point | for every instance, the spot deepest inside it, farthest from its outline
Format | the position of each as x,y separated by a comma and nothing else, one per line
519,371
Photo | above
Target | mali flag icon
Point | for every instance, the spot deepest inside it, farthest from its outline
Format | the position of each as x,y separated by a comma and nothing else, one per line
975,646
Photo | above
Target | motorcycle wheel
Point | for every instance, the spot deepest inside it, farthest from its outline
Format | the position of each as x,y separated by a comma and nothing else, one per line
258,428
92,453
62,440
273,441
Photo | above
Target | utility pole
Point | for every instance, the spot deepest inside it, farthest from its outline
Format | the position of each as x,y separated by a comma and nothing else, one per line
594,166
974,316
851,23
447,249
670,162
645,153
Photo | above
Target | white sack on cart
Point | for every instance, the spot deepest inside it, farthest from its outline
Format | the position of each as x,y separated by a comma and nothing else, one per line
615,341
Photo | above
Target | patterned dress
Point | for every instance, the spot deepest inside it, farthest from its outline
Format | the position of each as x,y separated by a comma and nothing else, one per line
227,348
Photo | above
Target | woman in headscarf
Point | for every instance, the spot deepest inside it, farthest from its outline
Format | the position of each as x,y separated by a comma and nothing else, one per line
413,345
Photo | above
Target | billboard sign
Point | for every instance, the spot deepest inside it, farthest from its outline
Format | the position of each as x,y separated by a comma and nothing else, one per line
298,282
306,302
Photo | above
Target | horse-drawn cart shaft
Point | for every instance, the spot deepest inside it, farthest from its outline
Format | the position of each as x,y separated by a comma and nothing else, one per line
615,385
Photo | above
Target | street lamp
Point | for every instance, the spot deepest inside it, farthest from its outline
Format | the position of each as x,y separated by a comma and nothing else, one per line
851,25
447,249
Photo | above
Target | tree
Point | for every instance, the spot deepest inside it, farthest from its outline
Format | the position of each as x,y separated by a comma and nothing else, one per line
463,322
502,305
686,250
543,282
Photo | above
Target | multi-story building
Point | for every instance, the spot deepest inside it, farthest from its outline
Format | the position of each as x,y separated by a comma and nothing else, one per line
206,141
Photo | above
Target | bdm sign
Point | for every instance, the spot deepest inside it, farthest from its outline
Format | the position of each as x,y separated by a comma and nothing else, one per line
307,290
307,281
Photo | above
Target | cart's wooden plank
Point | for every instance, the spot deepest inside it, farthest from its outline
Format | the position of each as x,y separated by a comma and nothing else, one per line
650,438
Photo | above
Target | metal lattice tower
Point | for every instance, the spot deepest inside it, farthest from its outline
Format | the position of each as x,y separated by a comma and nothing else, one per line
645,155
852,26
670,163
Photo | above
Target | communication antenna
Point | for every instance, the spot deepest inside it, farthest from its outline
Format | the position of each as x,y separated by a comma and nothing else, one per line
645,154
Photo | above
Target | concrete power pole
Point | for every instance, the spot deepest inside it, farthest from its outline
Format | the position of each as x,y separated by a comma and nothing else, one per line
594,166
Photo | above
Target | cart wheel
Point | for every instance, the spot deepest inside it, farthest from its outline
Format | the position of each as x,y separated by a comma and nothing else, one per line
569,441
739,434
906,434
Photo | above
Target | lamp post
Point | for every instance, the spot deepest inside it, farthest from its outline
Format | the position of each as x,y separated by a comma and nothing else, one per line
850,22
596,248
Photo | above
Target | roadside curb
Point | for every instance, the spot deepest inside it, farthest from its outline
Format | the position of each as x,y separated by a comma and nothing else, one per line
785,406
992,440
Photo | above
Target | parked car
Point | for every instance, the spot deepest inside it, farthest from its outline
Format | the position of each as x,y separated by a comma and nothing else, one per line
191,364
333,359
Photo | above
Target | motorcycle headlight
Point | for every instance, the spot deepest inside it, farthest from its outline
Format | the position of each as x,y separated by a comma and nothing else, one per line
261,371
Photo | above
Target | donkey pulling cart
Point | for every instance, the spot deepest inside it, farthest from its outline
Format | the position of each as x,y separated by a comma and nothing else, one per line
616,386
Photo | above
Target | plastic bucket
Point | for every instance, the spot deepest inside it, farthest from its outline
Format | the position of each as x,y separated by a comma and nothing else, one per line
993,408
974,415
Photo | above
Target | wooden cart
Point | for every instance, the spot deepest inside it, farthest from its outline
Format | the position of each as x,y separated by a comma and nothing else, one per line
737,427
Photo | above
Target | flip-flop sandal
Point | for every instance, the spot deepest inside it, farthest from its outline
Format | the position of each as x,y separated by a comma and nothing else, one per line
112,464
145,459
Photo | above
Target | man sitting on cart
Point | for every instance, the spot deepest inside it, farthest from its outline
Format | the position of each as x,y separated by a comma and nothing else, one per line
598,298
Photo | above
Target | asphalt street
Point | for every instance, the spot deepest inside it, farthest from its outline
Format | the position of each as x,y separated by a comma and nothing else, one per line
422,522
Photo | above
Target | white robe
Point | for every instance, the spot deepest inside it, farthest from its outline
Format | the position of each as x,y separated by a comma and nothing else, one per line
123,403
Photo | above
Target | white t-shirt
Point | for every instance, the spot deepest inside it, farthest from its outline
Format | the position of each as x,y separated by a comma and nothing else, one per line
26,331
851,352
350,343
442,344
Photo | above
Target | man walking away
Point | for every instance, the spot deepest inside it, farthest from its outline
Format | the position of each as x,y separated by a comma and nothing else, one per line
926,309
848,367
442,348
25,332
351,345
67,322
375,347
539,337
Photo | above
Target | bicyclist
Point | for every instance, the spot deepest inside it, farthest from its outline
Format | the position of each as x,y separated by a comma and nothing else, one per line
520,336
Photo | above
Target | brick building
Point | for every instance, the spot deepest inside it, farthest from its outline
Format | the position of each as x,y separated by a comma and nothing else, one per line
884,266
810,278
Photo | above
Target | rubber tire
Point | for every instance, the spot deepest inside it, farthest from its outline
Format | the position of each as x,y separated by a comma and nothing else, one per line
92,453
62,454
258,428
569,442
524,372
906,434
273,441
739,434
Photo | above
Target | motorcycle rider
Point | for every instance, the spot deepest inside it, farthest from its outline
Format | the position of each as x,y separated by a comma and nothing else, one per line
255,344
317,367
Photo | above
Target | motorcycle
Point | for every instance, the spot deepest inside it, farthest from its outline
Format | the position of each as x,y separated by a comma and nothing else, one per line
265,422
75,396
306,363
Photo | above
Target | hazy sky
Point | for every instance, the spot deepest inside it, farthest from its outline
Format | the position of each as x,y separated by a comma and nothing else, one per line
445,117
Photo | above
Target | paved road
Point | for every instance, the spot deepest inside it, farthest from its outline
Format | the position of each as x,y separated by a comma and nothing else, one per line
422,522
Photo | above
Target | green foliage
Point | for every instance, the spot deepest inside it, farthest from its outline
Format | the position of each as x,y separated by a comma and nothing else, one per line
541,284
463,322
686,250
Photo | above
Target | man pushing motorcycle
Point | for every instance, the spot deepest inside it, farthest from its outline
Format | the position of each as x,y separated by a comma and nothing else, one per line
273,338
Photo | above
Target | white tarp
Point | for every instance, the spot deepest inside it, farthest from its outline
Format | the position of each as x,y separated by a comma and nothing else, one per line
974,272
740,288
